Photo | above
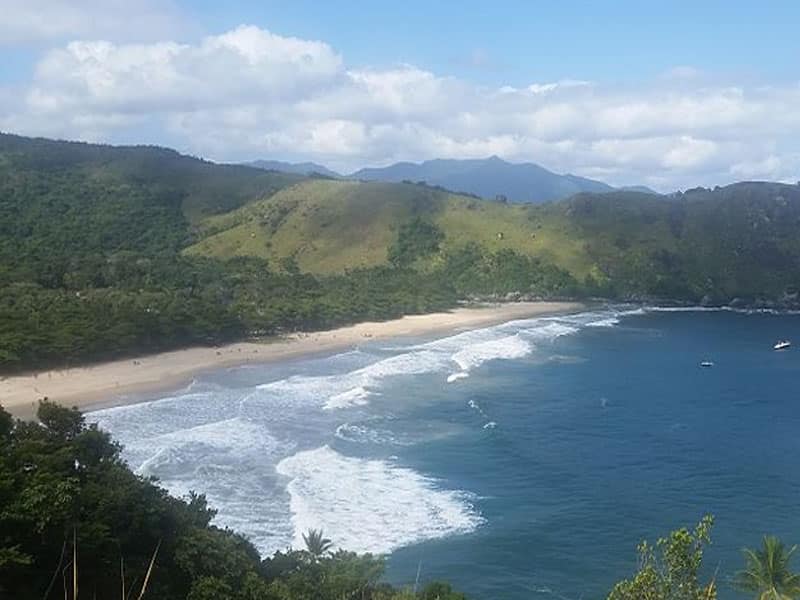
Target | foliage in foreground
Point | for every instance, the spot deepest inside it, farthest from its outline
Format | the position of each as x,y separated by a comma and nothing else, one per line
671,570
64,492
767,574
61,478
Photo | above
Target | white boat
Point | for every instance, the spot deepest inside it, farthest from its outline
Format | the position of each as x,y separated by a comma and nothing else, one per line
782,345
706,363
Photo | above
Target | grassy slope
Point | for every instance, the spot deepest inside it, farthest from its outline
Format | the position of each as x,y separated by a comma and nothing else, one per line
740,239
329,226
737,240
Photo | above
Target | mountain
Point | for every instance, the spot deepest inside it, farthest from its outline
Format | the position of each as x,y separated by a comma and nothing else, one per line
197,187
735,241
303,168
488,178
110,251
637,188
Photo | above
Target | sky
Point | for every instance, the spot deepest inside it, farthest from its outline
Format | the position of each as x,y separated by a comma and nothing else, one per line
670,94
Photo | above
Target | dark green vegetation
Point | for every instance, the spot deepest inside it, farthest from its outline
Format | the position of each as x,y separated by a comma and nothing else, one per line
108,251
72,512
671,570
767,574
65,492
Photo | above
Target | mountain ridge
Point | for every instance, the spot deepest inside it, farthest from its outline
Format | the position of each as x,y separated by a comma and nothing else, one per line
488,178
298,168
107,251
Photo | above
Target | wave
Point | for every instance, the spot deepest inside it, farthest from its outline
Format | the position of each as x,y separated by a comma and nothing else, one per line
231,461
361,434
741,311
456,376
509,347
355,397
352,388
467,351
370,505
609,322
237,444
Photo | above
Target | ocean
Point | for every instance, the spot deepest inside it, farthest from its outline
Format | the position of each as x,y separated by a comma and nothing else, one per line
519,461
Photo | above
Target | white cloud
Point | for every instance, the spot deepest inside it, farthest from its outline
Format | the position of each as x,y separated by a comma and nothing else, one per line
36,21
249,93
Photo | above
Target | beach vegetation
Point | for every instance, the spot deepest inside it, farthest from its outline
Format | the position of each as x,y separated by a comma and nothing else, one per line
767,574
670,570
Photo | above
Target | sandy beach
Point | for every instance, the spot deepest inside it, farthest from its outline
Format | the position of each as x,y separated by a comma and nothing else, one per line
123,381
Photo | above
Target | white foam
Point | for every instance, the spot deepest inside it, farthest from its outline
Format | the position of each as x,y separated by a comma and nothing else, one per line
456,376
477,407
550,331
191,442
361,434
370,505
353,388
358,396
512,346
232,463
609,322
468,350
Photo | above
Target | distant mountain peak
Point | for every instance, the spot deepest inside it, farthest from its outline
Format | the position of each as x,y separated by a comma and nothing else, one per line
301,168
488,177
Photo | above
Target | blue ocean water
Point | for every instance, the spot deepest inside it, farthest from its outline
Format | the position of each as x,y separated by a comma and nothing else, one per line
520,461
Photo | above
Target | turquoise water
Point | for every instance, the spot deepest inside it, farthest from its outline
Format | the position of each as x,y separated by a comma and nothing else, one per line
519,461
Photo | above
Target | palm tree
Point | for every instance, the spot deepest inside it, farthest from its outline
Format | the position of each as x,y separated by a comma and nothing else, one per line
767,572
316,543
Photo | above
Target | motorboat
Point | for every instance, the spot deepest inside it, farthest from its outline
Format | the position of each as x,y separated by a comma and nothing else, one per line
782,345
706,363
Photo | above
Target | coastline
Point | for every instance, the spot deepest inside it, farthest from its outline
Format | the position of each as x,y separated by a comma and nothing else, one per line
119,382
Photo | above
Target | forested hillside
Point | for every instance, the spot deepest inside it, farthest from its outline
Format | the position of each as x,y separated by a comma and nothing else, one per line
734,242
107,251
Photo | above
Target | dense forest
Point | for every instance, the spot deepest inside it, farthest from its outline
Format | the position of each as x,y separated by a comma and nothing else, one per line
112,251
77,523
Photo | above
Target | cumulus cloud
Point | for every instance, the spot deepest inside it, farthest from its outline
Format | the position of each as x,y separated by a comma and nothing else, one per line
250,93
36,21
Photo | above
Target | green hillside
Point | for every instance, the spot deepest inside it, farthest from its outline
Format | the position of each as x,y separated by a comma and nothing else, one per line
329,226
110,251
198,187
734,241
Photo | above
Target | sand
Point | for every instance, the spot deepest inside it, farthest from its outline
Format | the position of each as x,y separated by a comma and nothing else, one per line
126,381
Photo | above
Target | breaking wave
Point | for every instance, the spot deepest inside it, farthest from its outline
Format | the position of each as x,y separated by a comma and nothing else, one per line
371,505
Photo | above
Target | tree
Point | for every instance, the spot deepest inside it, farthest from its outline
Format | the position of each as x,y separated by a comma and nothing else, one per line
316,543
416,239
6,423
673,574
767,573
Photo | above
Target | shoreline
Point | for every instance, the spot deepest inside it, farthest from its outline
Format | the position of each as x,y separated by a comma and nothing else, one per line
125,381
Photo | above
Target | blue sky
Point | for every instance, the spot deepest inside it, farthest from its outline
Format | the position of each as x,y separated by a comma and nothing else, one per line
514,42
527,41
664,93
